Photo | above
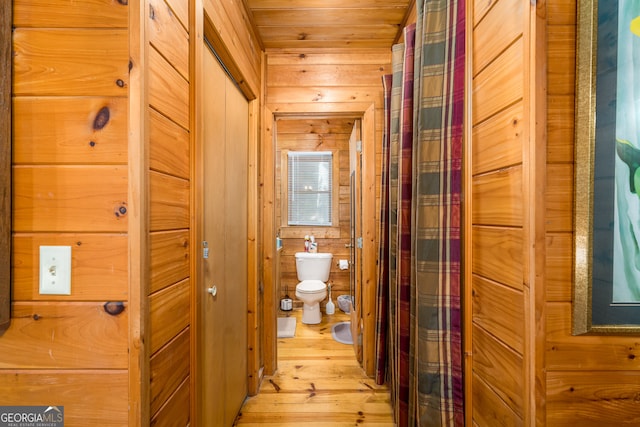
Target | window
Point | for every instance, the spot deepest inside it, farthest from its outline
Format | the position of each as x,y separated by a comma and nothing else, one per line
310,186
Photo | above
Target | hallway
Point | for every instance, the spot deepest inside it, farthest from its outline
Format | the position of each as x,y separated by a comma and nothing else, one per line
318,382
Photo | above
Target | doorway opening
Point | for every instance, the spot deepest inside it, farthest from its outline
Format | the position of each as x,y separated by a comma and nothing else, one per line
352,240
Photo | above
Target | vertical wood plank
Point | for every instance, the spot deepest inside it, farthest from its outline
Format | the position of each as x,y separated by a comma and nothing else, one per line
537,181
254,296
196,101
139,388
268,237
5,165
369,251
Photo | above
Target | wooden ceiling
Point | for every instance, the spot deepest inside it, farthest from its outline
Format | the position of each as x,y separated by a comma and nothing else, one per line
290,24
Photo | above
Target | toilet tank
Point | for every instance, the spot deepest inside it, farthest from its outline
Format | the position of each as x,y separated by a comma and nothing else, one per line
313,266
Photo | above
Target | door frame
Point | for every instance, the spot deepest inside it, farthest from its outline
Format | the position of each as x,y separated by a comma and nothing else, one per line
366,113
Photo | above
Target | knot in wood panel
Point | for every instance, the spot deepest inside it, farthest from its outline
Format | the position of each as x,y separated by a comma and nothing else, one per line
102,118
113,307
121,210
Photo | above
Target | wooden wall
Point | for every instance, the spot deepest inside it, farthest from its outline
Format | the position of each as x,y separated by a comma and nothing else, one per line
507,170
591,380
527,367
104,112
70,169
328,134
170,287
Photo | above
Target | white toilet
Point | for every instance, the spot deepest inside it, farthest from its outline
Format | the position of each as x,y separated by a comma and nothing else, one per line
313,271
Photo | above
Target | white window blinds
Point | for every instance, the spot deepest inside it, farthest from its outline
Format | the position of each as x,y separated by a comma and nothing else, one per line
309,187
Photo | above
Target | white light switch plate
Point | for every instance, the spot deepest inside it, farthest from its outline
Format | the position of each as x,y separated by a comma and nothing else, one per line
55,270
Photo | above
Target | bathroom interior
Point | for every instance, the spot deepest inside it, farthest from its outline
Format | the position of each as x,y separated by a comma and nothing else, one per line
336,243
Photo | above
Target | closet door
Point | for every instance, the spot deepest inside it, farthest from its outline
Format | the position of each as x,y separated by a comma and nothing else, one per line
222,293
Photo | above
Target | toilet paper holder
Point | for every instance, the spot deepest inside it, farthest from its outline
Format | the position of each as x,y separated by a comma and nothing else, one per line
343,264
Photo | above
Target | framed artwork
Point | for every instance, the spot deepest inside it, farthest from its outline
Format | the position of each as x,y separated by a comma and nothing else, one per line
606,293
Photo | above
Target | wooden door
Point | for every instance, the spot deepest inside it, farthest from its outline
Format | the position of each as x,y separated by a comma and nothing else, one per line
223,312
355,170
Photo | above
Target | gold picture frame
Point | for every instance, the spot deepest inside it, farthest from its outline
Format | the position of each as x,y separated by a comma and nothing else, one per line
594,309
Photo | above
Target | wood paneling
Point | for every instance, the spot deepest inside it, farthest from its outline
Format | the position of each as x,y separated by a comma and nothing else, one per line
70,130
65,336
500,311
562,60
560,197
66,13
507,215
169,202
312,24
500,84
98,270
228,27
565,352
169,369
168,90
78,391
71,187
559,271
326,94
506,15
591,380
497,198
176,409
168,171
480,9
169,258
270,270
323,35
294,16
168,146
494,411
320,75
181,9
593,399
497,142
330,56
169,311
497,255
70,199
560,128
501,368
168,36
83,62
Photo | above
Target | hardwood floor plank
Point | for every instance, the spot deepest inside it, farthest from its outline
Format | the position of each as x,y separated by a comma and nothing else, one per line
319,383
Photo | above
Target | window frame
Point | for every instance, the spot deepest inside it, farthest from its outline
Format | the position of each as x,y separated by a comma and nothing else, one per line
322,231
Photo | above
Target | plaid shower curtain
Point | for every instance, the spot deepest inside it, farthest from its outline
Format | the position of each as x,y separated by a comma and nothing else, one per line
421,220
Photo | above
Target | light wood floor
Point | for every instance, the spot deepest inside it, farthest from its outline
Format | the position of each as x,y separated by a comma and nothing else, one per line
318,383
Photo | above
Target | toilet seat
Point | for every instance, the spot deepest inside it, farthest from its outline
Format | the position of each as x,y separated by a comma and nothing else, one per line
311,286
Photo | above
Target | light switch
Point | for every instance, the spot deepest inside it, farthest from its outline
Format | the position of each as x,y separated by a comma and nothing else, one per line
55,270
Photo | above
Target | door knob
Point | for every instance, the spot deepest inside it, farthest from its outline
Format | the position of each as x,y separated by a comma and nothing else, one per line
213,291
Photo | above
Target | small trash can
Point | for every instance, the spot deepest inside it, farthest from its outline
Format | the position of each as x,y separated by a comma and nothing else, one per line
343,303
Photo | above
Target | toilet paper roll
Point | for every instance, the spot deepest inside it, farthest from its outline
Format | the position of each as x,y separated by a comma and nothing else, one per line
343,264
